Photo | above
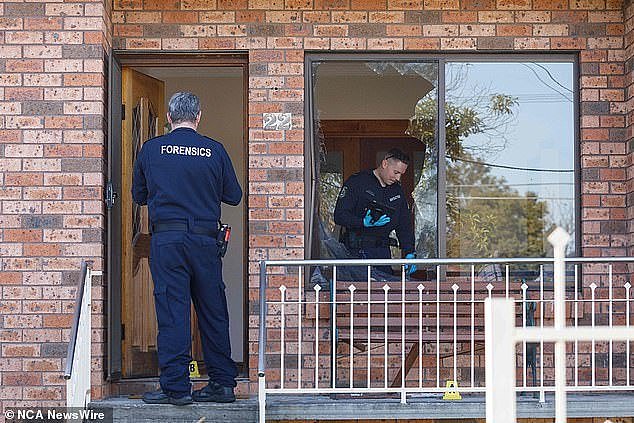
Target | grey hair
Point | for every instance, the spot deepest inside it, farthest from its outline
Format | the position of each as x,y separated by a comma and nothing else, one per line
184,107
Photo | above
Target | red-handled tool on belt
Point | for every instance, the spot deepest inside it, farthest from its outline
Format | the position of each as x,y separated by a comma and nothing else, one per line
222,240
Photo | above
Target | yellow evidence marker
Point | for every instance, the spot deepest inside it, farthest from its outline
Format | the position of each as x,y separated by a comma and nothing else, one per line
193,369
452,393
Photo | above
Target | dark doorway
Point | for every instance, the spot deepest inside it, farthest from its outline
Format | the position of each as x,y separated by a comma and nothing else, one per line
138,106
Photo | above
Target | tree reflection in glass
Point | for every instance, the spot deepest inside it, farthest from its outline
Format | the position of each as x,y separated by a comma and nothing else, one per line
510,160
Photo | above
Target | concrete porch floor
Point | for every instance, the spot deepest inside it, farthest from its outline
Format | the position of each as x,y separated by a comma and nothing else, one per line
311,408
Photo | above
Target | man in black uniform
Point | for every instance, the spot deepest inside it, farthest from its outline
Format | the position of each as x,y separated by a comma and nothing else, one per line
183,177
366,235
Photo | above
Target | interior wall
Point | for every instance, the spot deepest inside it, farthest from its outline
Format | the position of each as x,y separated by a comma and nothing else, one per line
352,90
221,99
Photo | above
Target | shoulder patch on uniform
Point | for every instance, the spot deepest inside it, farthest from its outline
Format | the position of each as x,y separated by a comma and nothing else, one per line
343,191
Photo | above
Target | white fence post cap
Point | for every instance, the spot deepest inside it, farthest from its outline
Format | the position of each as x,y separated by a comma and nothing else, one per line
559,237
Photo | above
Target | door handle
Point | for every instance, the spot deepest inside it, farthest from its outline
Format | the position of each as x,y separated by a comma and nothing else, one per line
111,195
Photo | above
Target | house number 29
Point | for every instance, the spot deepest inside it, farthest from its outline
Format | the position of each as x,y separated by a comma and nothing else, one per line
276,121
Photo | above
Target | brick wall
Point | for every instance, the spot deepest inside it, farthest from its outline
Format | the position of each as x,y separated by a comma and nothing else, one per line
52,119
629,97
276,34
51,179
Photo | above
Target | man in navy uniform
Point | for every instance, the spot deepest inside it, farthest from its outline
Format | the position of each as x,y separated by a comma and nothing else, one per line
183,177
366,235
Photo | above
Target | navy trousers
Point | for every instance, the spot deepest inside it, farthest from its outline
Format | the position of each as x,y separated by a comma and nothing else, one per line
185,267
359,273
377,253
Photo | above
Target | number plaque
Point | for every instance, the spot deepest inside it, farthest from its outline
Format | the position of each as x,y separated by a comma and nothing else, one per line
276,121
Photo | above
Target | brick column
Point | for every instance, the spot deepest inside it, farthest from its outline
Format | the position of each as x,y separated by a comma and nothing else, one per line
628,10
51,188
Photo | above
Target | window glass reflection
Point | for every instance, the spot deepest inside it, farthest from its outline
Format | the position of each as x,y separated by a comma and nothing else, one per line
510,157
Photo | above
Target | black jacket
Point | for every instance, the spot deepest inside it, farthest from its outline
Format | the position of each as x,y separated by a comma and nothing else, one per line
354,197
184,175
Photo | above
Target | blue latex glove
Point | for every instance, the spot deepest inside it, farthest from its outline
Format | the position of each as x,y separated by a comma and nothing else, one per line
381,221
410,268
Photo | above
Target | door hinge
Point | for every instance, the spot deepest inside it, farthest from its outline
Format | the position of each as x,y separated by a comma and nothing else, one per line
111,196
122,331
123,112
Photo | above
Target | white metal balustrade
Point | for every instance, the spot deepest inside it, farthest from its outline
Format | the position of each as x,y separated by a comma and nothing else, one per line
502,335
323,332
78,357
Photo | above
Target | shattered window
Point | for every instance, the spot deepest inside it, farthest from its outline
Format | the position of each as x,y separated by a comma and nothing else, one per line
507,172
362,109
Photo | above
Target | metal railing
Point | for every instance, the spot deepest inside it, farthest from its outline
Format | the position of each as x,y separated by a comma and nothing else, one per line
78,356
322,330
502,336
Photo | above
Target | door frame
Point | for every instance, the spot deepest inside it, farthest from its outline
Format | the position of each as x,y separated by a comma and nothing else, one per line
117,60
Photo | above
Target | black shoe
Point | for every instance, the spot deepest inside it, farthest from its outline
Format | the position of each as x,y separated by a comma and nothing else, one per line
160,397
214,392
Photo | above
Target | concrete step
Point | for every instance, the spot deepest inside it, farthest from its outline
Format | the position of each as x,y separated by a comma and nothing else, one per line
127,410
309,408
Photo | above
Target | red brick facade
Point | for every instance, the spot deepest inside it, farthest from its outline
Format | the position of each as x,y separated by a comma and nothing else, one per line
52,107
53,112
629,95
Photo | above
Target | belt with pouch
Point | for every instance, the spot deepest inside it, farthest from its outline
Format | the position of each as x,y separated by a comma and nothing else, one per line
180,226
357,240
374,242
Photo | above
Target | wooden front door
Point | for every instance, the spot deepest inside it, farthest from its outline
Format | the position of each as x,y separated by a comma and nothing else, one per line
144,102
143,99
145,83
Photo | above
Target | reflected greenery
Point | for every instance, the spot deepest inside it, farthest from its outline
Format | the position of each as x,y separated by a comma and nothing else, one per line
487,218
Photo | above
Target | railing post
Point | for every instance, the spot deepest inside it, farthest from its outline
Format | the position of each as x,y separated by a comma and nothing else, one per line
261,398
559,238
78,358
499,351
262,345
